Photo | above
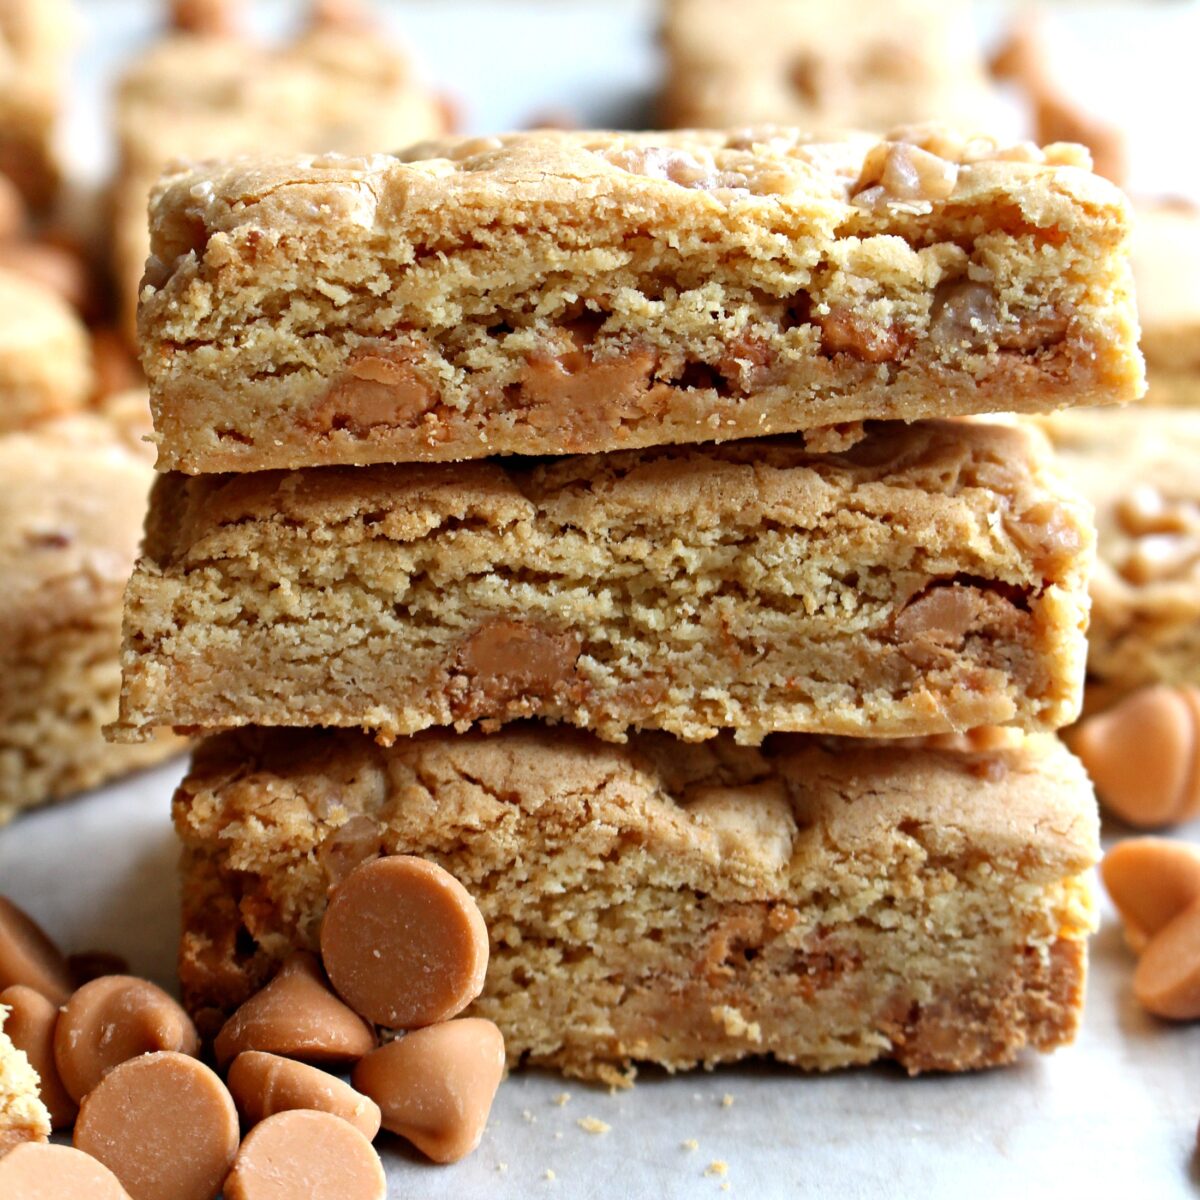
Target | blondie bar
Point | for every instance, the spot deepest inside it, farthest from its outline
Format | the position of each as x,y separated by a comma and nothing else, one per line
826,902
931,578
1138,466
858,64
35,41
72,496
45,355
23,1116
548,293
217,94
1166,267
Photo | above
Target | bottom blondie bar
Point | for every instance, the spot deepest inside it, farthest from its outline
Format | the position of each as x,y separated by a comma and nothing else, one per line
72,496
824,902
23,1117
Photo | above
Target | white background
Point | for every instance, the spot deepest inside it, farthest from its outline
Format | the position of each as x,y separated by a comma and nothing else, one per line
1115,1114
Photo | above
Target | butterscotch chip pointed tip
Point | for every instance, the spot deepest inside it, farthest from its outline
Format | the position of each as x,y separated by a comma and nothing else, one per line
213,18
1167,980
265,1084
1143,755
404,942
435,1086
40,1171
30,1026
297,1016
142,1115
298,1155
1150,881
113,1019
29,957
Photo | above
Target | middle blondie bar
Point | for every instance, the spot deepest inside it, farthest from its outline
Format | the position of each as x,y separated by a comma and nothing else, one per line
931,578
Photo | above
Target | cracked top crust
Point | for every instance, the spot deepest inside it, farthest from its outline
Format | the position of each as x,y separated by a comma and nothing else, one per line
708,487
846,179
749,812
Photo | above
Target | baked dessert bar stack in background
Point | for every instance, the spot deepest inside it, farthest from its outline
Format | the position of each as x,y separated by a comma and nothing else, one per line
767,833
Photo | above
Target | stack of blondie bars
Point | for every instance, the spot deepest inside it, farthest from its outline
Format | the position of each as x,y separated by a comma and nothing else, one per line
589,513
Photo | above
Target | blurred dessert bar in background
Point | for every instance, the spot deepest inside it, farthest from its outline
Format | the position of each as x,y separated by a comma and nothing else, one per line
857,64
208,90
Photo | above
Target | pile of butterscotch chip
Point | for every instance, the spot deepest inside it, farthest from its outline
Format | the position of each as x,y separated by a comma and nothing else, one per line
403,948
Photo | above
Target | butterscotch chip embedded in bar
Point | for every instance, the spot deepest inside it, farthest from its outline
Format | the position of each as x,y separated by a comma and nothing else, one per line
306,1156
726,859
1151,881
30,1026
404,943
298,1016
43,1172
1144,756
435,1086
29,957
112,1019
550,293
933,578
164,1125
265,1084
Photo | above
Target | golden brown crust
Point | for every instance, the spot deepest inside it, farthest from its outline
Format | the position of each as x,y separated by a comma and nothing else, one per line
795,900
931,578
550,292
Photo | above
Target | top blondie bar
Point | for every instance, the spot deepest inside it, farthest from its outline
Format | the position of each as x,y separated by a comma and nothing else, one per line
550,293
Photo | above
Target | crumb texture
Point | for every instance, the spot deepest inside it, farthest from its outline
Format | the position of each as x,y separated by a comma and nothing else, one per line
550,293
824,902
930,579
23,1116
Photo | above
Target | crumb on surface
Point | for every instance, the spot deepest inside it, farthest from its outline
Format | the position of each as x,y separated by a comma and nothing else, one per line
529,1116
717,1167
727,1100
561,1098
549,1175
593,1125
690,1144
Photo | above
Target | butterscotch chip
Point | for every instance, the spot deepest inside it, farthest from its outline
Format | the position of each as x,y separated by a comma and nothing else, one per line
404,942
211,18
296,1015
1142,755
435,1086
30,1027
1150,880
164,1124
112,1019
266,1084
306,1156
1167,979
39,1171
29,957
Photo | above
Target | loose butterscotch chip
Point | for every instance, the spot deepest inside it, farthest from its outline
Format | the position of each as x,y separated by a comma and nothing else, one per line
296,1015
30,1026
435,1086
1167,979
1143,755
1151,881
164,1124
302,1155
29,957
266,1084
404,943
40,1171
112,1019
